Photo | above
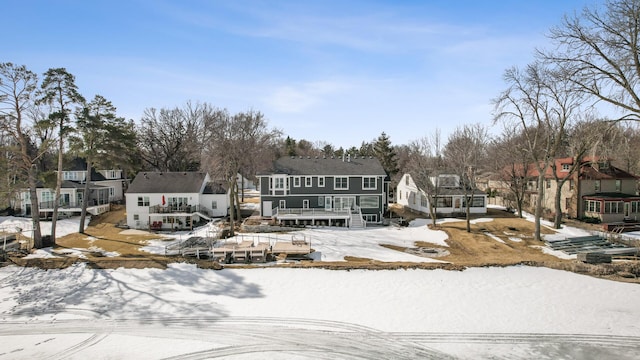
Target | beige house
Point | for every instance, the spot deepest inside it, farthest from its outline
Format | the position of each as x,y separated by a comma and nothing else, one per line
597,190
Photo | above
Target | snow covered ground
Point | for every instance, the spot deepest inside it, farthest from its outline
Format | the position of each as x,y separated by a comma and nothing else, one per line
278,313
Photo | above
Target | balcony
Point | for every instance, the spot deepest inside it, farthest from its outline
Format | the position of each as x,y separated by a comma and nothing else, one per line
176,209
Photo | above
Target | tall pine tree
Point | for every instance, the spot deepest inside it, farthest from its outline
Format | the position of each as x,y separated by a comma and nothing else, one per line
386,154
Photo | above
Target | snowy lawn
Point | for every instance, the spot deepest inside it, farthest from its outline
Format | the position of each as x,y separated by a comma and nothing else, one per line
280,313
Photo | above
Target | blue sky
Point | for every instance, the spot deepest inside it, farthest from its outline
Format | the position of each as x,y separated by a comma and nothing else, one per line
340,72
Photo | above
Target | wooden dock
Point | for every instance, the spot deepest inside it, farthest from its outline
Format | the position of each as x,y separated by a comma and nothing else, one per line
250,249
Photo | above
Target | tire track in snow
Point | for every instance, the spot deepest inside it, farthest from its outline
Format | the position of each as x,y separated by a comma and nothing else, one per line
312,338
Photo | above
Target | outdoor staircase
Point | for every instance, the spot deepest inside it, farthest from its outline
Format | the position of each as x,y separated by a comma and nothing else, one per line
356,219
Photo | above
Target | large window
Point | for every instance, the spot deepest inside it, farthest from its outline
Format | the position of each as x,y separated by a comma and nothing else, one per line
143,201
369,202
613,207
296,181
478,201
635,206
444,201
369,183
341,183
592,206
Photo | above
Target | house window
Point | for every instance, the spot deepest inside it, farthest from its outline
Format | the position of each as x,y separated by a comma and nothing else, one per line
282,204
112,192
635,206
444,201
305,204
369,202
308,181
478,201
424,202
296,181
571,185
143,201
618,185
177,202
341,183
613,207
567,203
278,183
321,181
548,183
565,167
406,180
370,217
596,185
593,206
399,195
136,217
320,200
214,205
369,183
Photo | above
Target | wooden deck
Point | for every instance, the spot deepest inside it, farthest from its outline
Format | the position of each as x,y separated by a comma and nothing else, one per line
253,249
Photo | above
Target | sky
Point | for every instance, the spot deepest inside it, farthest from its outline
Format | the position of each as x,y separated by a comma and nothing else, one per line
338,72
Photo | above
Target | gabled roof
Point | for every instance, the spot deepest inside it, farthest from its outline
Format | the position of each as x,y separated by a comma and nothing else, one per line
167,182
300,165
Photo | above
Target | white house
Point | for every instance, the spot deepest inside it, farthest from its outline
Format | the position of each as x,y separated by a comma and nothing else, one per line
450,196
174,200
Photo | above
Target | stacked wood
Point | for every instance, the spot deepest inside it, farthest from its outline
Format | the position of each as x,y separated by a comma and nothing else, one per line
594,258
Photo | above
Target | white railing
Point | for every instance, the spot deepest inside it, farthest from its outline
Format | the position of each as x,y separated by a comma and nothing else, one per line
278,212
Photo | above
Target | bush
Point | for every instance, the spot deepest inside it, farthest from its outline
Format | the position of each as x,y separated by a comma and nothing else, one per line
591,220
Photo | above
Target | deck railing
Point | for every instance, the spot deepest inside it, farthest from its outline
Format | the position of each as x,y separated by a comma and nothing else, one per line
172,209
311,212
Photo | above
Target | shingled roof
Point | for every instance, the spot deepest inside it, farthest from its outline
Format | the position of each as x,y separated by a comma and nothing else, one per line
301,165
167,182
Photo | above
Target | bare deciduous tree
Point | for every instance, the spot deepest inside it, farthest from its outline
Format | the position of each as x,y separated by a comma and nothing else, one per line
173,139
234,144
17,94
425,164
464,152
599,49
542,103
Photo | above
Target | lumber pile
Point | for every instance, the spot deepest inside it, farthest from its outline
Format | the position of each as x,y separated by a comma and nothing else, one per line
594,257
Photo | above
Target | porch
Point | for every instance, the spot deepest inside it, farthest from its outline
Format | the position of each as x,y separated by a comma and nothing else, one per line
95,209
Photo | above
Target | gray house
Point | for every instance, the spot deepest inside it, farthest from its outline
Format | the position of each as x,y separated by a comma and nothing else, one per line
350,191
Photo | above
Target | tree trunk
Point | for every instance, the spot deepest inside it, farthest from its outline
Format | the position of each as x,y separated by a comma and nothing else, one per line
35,209
468,211
85,196
232,209
56,202
238,209
557,220
538,212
